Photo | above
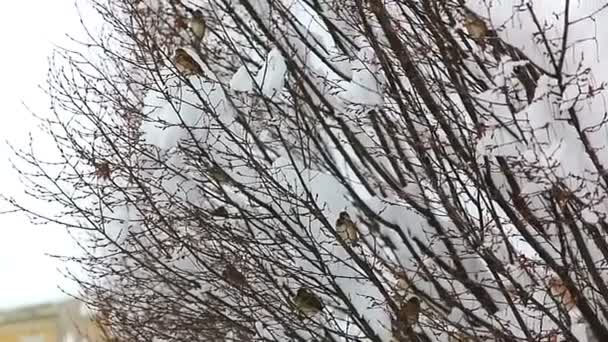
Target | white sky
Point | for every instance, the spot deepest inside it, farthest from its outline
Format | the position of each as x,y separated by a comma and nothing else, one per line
28,28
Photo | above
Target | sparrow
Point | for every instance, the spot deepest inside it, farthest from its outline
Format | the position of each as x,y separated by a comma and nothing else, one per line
216,173
198,25
103,171
458,338
185,64
307,303
233,276
476,27
410,312
402,283
346,228
221,211
558,289
180,23
375,6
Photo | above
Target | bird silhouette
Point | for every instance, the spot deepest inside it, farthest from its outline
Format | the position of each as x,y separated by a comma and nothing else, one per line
410,312
185,64
346,228
198,25
233,276
307,303
476,27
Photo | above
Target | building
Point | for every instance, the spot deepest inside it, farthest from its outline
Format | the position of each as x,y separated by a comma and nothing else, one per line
67,321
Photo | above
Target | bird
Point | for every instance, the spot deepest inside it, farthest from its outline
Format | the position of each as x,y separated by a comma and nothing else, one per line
476,27
216,173
221,211
185,64
233,276
346,228
375,6
180,23
458,337
402,281
307,303
558,289
103,170
198,25
410,312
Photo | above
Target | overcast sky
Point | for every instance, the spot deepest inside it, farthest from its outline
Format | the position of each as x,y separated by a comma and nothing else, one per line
28,29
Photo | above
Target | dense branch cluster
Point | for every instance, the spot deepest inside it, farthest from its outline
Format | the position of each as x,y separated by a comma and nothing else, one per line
324,170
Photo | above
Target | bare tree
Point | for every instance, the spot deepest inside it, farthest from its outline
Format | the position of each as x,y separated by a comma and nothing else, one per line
412,170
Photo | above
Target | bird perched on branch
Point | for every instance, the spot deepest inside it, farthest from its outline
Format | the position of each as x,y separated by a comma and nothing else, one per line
407,317
233,276
402,281
216,173
198,26
410,312
185,64
559,290
346,228
221,212
476,27
103,170
307,303
458,337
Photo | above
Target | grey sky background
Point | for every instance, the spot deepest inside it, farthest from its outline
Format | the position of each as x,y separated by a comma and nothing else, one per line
28,30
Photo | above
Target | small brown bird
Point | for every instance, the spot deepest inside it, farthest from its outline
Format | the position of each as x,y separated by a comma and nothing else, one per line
221,212
103,171
375,6
402,282
185,64
558,289
233,276
347,230
458,337
180,23
198,25
307,303
410,312
476,27
216,173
